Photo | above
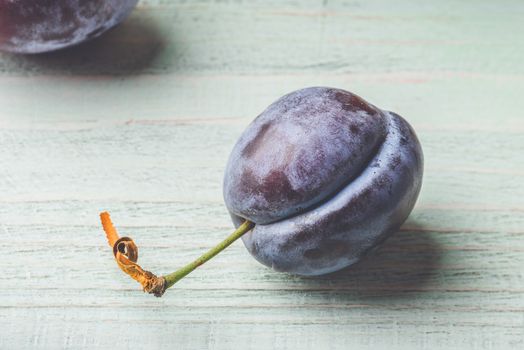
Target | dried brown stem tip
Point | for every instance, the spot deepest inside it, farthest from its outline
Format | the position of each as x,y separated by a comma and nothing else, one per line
126,256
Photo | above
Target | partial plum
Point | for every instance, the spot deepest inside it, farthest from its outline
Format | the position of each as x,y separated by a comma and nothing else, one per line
325,176
34,26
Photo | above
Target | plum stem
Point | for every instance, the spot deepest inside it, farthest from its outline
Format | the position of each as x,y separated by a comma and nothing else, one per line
176,276
125,252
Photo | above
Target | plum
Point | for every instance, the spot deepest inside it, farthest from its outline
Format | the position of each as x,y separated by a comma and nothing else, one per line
34,26
325,177
315,182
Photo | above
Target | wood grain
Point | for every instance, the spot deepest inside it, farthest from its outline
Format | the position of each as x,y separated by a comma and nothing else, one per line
141,121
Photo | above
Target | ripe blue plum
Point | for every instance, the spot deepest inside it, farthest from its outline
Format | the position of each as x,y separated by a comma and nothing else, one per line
325,176
31,26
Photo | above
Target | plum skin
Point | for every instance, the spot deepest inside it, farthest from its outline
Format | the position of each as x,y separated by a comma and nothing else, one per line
35,26
325,176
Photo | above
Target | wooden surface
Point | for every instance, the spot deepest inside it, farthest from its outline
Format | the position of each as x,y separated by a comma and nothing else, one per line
141,121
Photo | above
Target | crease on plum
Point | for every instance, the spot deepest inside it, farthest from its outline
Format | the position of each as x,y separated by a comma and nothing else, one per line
337,190
250,210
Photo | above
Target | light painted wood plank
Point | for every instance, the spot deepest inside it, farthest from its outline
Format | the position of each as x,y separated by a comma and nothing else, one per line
141,122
